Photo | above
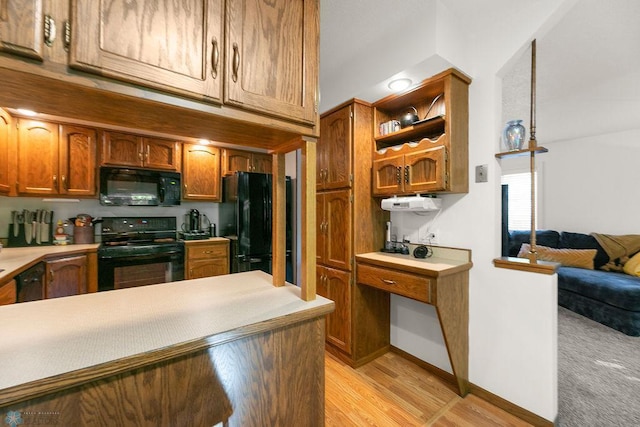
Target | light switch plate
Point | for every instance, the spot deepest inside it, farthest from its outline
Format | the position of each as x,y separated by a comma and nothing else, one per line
481,173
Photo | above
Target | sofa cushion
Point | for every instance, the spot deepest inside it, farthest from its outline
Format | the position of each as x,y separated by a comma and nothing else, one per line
632,266
548,238
616,289
584,241
582,258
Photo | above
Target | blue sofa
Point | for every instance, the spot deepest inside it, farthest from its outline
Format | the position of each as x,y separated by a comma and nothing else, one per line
610,298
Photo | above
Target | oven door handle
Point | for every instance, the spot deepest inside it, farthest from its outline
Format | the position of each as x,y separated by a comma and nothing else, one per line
141,256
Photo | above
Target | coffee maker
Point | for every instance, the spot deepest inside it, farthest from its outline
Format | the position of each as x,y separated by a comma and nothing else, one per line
193,220
196,226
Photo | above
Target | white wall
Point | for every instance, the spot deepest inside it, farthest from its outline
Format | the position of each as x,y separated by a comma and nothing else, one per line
512,319
591,184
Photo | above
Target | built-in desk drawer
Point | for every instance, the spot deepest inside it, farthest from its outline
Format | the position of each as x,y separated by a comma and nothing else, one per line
406,284
212,250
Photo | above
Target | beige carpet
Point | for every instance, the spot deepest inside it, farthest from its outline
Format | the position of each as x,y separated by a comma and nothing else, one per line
598,374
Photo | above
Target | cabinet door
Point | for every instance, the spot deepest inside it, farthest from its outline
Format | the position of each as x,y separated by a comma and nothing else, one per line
321,236
37,157
235,160
170,45
272,56
262,163
77,161
121,149
5,140
201,172
161,154
66,276
21,27
8,293
338,238
338,284
336,141
426,171
207,268
388,176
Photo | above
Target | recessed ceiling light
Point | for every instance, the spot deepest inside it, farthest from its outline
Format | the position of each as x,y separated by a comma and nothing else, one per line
26,112
399,84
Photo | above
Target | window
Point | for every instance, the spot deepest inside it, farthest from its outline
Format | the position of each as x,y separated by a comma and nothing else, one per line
519,200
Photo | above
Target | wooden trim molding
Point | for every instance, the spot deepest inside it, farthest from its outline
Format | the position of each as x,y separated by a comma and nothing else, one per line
511,408
495,400
524,264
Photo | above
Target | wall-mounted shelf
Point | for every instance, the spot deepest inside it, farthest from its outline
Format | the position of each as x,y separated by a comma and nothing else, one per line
431,127
520,153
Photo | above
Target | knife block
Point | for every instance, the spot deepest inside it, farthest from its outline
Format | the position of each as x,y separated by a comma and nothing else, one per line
21,241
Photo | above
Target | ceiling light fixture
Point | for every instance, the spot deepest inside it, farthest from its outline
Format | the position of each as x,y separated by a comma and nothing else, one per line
26,112
399,84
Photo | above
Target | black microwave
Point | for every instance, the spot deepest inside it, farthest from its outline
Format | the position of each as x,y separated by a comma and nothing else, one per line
138,187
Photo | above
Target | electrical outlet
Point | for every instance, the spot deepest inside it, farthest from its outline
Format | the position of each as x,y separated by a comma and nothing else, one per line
426,236
481,173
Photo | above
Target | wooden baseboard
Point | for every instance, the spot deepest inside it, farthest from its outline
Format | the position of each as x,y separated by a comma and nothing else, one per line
340,355
494,399
449,378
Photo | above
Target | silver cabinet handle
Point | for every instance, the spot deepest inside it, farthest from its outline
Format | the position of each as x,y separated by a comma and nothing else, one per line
236,62
215,57
388,282
49,30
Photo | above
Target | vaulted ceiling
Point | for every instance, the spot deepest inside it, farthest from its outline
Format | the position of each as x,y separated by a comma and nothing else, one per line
588,62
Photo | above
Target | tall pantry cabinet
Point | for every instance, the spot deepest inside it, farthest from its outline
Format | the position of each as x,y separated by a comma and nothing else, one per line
349,221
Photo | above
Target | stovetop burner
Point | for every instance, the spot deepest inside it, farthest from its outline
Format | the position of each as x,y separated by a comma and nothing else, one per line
118,231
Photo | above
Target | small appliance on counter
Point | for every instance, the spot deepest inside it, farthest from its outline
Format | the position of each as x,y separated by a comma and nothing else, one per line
196,226
31,228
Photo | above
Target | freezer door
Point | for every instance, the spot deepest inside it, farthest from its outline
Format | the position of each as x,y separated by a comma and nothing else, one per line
254,214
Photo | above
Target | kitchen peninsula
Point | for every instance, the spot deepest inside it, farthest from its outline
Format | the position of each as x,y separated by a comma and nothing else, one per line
232,349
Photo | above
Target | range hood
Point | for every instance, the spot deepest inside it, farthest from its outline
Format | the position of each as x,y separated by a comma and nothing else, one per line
411,204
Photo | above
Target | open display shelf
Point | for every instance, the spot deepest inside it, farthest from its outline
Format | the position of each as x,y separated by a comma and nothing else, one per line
520,153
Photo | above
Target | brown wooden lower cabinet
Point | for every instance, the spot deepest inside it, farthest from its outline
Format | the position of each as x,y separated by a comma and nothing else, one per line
206,258
271,377
336,286
8,293
358,330
65,276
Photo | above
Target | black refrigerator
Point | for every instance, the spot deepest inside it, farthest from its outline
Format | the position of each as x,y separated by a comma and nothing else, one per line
245,218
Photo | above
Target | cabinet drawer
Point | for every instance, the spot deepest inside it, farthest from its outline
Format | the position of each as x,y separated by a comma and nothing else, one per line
206,251
405,284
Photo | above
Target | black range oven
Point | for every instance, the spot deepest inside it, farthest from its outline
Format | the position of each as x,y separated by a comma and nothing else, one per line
138,251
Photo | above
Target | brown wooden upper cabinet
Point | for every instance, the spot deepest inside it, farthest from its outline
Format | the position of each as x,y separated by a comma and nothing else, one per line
55,159
201,172
22,28
417,171
333,159
5,147
168,45
267,58
123,149
245,161
272,57
430,155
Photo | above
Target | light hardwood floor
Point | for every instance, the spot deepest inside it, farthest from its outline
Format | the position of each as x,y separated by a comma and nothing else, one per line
392,391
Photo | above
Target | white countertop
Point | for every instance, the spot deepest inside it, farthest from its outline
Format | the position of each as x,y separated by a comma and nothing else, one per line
443,261
16,260
45,338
